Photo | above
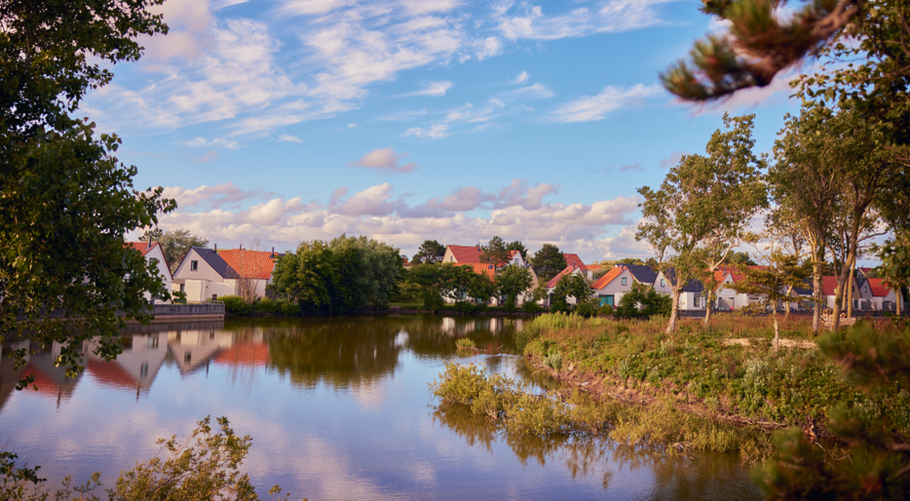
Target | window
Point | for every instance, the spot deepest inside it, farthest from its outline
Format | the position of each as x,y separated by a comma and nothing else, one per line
187,357
153,260
194,265
663,283
144,370
153,341
695,302
624,280
182,287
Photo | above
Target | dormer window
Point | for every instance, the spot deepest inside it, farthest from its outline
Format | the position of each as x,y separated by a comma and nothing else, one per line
663,283
194,265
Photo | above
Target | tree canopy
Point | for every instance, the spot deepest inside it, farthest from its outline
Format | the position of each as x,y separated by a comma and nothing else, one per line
174,243
430,252
66,202
548,261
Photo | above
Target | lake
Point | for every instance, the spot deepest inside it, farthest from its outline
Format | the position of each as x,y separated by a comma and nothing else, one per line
338,408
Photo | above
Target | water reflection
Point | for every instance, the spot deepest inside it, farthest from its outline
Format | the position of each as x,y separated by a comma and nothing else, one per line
328,402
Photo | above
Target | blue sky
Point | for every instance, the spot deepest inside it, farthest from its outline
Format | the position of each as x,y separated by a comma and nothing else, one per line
404,120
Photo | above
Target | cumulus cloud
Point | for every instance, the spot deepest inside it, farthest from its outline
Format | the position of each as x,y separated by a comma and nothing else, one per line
213,196
590,108
518,211
435,131
487,47
385,160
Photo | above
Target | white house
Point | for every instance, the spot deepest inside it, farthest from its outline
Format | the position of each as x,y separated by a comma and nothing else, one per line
611,287
690,299
153,253
884,297
206,274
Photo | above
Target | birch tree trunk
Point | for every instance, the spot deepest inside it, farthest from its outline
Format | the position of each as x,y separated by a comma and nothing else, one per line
674,311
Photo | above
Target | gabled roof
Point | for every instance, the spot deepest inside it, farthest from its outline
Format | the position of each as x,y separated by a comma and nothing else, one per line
247,263
642,273
880,288
466,253
481,269
865,271
828,285
609,277
142,247
215,261
565,271
693,285
573,261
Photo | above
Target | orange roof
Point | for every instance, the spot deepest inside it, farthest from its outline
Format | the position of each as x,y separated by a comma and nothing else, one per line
880,288
594,267
46,385
481,269
609,277
829,284
465,254
142,247
553,281
250,263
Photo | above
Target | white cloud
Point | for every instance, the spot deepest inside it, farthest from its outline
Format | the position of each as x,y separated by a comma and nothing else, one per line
516,212
289,138
488,47
521,78
385,160
529,21
404,116
590,108
201,141
434,89
536,91
435,131
213,196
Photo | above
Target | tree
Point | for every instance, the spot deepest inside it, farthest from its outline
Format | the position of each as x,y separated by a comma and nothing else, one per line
518,246
741,258
548,261
512,281
65,201
495,252
760,44
895,267
307,277
703,206
174,243
569,285
430,252
643,302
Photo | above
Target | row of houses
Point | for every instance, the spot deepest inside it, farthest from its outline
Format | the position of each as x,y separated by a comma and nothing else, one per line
869,294
206,274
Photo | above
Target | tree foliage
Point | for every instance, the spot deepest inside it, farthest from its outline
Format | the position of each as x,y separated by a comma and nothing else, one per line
341,276
512,281
518,246
700,212
430,252
174,244
447,281
643,302
495,252
548,261
569,285
65,201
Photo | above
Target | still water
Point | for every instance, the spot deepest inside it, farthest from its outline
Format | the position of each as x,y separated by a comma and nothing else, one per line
337,408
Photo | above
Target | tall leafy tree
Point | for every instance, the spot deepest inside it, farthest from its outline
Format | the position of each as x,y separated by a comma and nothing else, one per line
701,210
430,252
66,202
571,285
548,261
518,246
495,252
512,281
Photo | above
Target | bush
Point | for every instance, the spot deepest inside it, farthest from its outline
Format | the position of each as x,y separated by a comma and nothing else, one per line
531,307
509,305
605,310
236,305
586,308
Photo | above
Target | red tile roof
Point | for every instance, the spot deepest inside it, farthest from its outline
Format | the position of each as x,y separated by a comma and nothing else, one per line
481,269
246,354
574,260
142,247
609,277
257,265
879,287
565,271
111,374
465,254
828,285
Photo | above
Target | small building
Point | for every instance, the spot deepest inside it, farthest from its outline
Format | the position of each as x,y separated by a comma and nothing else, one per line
691,297
884,297
611,287
153,253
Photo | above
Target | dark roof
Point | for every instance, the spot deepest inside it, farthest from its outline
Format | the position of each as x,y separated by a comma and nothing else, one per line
215,261
693,285
642,273
804,291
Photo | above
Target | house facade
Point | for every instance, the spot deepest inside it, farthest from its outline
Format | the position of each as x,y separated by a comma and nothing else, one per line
153,253
203,276
611,287
692,296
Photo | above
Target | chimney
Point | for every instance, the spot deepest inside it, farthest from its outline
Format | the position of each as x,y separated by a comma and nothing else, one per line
273,251
573,264
216,247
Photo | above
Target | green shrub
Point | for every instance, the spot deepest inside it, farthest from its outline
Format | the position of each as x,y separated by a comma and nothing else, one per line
465,344
236,305
531,307
585,309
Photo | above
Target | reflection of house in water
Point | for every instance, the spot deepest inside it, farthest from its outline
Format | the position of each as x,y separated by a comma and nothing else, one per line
136,367
194,348
246,352
493,325
50,380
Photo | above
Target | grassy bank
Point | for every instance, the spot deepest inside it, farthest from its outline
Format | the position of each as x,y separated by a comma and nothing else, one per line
719,387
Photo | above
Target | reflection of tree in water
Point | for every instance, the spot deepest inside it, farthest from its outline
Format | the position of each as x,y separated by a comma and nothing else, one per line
704,476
